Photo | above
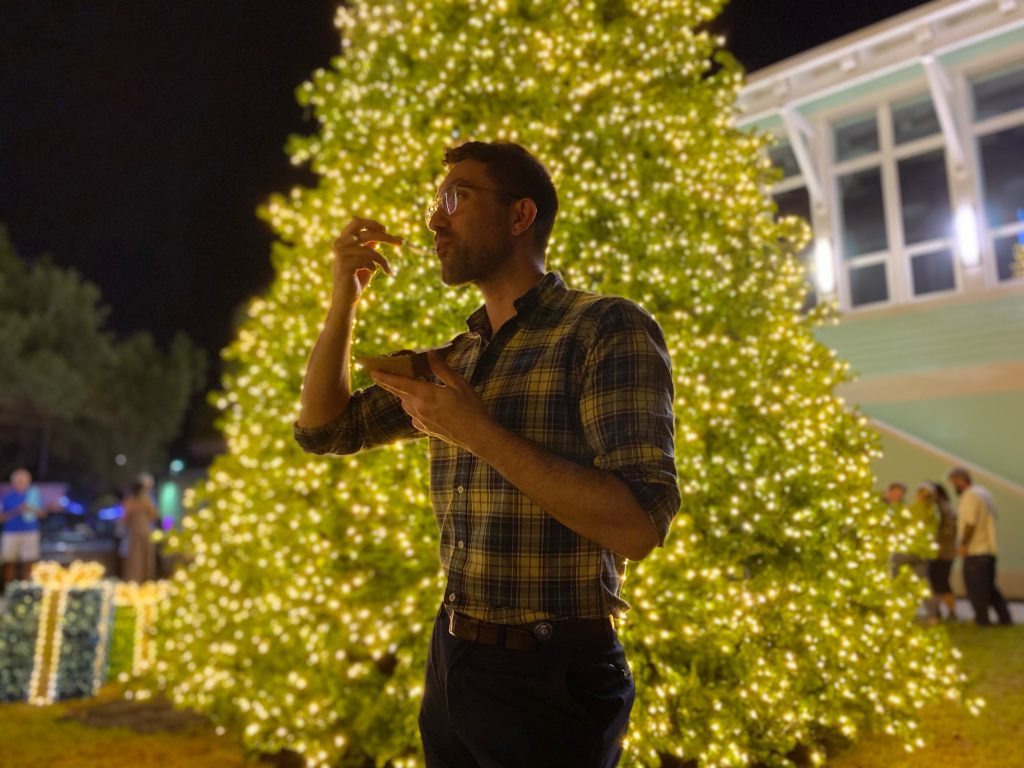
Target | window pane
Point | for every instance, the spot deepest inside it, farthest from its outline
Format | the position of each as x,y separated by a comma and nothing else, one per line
914,119
782,157
796,202
810,298
868,284
933,272
998,92
856,136
924,196
1010,257
1002,169
862,213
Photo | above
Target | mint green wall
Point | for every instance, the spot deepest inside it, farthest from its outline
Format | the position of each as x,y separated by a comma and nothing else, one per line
911,72
987,430
919,337
1012,40
770,124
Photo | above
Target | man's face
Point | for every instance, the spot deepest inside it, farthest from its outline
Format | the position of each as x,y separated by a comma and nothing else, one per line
21,480
960,483
474,241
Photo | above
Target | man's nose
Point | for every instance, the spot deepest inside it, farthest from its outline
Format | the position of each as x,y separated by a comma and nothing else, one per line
438,219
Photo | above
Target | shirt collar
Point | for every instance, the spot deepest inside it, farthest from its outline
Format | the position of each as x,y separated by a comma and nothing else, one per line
546,291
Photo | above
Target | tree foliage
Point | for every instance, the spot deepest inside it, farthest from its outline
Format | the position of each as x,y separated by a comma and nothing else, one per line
73,394
767,622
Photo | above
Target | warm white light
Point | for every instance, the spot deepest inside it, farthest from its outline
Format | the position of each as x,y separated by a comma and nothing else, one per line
824,270
965,223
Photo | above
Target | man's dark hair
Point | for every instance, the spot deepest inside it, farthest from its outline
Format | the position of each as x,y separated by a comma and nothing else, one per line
518,172
901,486
960,472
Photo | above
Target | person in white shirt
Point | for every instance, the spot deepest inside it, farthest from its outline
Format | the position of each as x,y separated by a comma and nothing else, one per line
976,532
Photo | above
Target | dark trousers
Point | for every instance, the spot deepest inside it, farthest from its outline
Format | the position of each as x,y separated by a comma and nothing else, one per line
980,581
557,706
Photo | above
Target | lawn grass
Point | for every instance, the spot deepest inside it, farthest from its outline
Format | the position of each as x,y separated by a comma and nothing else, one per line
42,737
993,659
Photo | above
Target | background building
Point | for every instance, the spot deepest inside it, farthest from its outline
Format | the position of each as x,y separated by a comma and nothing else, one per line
903,146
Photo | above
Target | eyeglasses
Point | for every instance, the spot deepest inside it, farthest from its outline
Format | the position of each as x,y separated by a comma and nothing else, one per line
449,197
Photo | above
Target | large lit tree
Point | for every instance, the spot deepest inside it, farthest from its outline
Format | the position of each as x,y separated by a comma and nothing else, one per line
767,622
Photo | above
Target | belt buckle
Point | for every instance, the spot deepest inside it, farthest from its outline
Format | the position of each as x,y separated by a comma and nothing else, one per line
543,630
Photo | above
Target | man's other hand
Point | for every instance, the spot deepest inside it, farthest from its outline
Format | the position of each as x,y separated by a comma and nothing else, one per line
453,412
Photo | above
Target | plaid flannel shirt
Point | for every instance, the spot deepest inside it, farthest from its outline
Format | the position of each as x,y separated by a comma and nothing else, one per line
586,377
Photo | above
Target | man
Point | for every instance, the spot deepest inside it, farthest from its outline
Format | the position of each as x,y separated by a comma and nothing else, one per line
551,450
20,518
976,531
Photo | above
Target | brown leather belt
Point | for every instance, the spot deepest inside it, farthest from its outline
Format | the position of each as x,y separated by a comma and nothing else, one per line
526,637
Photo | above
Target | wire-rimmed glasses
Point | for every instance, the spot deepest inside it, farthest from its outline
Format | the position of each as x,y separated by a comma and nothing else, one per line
448,196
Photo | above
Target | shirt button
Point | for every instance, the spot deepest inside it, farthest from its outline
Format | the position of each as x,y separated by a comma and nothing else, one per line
461,489
461,544
451,598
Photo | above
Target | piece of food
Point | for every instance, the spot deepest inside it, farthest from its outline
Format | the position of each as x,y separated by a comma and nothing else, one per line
406,362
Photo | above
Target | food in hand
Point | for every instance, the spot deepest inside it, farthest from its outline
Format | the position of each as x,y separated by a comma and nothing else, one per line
406,362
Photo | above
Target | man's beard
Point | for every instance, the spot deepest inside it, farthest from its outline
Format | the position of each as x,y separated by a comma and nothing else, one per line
463,263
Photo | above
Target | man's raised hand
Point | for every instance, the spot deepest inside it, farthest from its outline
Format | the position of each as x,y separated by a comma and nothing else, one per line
355,259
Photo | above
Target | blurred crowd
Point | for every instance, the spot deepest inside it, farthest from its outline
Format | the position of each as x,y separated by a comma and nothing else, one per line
22,509
966,530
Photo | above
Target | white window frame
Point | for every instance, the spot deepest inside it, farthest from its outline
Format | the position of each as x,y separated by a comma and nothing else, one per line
978,129
897,256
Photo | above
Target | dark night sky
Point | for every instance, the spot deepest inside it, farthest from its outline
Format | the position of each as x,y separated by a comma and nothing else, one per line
138,137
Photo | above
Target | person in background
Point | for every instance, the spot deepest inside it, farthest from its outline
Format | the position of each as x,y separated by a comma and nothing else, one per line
20,513
945,539
895,494
919,517
976,531
139,517
895,498
148,483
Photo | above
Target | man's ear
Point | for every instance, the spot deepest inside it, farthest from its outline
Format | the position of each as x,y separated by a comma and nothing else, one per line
524,212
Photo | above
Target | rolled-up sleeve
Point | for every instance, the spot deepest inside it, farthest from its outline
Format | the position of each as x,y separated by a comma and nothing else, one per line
626,408
374,417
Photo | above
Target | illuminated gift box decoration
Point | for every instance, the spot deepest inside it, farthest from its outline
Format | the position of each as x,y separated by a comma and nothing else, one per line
18,627
55,633
133,648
